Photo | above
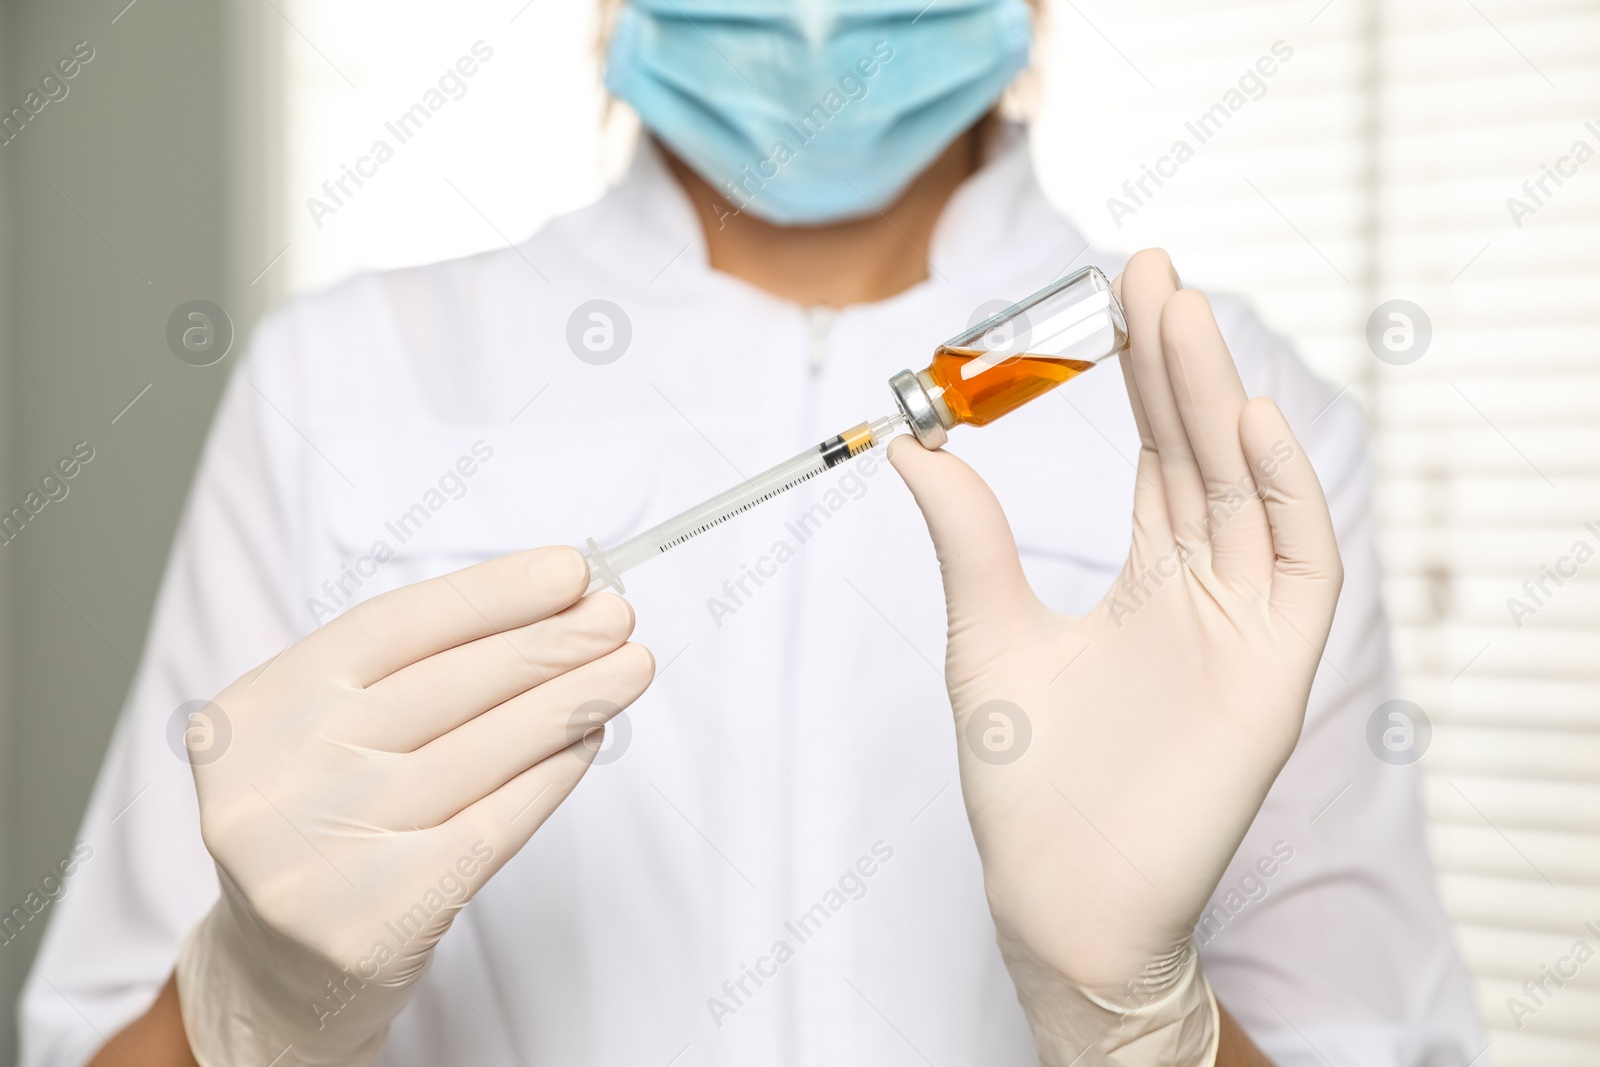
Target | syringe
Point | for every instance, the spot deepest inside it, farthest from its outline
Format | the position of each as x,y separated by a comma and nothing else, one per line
993,368
606,565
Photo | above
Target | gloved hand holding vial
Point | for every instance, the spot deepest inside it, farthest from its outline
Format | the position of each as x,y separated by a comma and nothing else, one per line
1160,718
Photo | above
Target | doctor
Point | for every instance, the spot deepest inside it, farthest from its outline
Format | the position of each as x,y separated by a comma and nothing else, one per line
348,726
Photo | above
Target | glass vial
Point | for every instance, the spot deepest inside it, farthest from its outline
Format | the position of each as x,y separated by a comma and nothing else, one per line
1014,356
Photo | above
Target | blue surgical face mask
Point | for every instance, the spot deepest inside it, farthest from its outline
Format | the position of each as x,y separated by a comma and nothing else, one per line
804,112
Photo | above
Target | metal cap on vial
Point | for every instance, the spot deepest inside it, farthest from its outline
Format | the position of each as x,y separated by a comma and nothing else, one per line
920,409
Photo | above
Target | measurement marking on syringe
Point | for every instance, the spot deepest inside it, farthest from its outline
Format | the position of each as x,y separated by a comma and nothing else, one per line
680,539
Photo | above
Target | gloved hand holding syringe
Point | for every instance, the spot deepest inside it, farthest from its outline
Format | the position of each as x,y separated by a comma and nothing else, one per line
993,368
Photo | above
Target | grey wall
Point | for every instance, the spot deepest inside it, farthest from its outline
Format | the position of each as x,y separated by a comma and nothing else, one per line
118,203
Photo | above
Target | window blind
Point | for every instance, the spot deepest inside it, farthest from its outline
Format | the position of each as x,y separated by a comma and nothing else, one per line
418,131
1491,479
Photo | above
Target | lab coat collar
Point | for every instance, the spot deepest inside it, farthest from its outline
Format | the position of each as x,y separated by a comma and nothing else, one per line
997,221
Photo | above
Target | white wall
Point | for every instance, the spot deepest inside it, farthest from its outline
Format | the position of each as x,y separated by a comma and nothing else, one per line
522,143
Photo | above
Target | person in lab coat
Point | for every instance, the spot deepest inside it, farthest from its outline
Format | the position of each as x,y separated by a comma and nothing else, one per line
784,854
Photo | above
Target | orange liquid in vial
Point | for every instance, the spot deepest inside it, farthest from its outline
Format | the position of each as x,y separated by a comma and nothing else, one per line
1002,388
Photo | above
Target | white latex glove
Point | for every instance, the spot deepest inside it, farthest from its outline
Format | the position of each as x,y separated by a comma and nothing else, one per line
379,772
1159,719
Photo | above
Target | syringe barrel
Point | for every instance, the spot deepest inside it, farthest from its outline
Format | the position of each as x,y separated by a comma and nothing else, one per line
606,565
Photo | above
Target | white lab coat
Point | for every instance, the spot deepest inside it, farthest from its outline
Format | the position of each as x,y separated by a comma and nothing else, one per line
799,729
